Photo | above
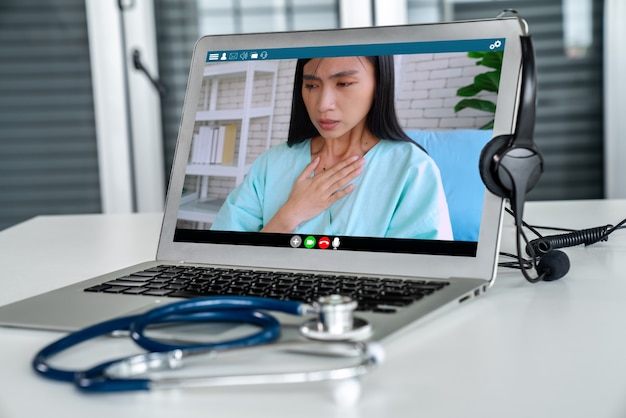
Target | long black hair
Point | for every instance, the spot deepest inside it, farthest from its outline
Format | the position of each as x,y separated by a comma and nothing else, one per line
381,119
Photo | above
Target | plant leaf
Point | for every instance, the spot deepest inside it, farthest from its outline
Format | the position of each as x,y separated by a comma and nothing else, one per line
478,104
487,81
484,81
476,54
468,91
491,59
487,126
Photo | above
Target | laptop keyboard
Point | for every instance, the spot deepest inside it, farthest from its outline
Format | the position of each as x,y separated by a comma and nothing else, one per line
384,295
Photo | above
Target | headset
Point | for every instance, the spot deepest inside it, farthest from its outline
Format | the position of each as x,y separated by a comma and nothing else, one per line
511,165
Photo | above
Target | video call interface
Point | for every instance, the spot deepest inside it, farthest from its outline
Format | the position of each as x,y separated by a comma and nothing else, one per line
444,95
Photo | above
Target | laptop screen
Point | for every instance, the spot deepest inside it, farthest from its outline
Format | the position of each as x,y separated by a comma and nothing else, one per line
264,115
260,177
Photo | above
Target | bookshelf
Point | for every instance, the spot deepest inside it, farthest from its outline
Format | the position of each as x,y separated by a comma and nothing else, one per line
234,96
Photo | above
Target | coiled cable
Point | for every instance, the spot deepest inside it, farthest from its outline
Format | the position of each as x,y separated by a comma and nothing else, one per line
587,236
543,244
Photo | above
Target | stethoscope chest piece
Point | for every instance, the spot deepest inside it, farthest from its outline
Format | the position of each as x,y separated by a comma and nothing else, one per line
336,321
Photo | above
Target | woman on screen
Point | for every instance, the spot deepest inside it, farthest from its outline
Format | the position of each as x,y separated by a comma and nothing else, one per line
347,167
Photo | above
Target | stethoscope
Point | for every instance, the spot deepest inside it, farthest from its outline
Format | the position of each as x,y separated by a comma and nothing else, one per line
334,332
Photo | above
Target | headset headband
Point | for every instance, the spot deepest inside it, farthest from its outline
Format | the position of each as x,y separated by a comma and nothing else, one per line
525,128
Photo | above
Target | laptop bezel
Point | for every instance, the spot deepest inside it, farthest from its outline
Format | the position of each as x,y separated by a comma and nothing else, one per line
482,266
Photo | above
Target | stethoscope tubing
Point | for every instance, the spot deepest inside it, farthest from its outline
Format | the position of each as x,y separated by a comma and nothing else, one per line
120,375
218,309
368,356
41,364
221,309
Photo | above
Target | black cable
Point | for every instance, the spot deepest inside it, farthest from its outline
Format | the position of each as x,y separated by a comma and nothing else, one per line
544,244
572,239
534,259
526,264
531,228
519,236
160,88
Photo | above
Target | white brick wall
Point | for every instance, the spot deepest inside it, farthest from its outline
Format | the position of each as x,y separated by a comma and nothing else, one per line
284,91
426,95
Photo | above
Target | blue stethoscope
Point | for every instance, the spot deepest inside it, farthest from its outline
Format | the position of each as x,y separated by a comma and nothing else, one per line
334,332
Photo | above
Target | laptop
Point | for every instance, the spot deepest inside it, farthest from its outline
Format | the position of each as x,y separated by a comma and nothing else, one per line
237,110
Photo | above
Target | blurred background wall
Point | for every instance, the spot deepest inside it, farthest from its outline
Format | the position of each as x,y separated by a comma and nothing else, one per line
83,130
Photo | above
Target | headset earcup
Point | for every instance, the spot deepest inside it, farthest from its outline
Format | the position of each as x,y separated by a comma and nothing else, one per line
487,165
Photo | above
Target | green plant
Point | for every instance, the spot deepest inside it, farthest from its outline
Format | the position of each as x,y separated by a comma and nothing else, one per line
488,81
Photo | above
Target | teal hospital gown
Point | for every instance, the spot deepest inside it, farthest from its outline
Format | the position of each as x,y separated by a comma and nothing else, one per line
398,195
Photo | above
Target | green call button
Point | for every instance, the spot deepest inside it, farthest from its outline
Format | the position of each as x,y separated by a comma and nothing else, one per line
309,242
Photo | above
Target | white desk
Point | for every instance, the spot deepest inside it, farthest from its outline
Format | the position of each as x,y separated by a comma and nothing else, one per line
546,350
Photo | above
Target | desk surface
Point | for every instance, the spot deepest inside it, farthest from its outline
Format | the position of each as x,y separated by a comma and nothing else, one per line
545,350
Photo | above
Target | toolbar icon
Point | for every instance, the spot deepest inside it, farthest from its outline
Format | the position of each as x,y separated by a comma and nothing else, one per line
295,241
324,243
309,242
496,44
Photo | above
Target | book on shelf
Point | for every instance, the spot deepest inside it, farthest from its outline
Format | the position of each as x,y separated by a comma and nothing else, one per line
214,145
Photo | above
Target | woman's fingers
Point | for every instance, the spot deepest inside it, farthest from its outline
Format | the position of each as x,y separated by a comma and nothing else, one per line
312,194
346,169
343,173
309,169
